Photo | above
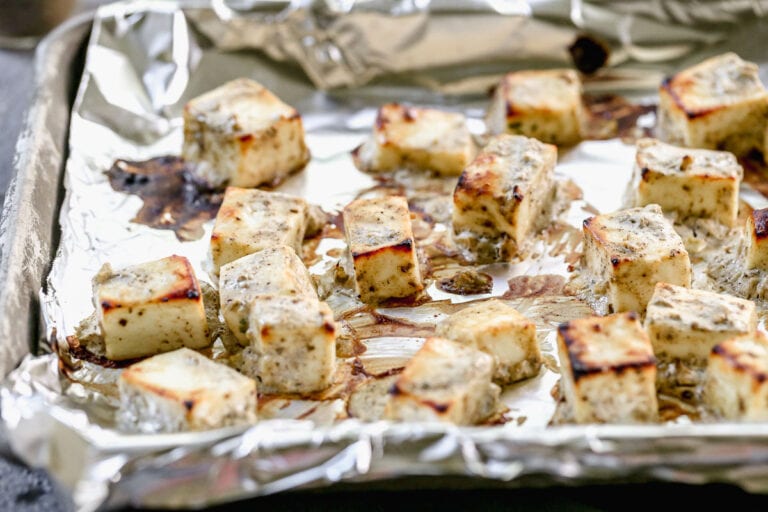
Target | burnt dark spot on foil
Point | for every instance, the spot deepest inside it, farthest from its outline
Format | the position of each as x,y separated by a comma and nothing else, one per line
589,53
174,198
366,322
417,299
610,116
466,282
535,286
78,351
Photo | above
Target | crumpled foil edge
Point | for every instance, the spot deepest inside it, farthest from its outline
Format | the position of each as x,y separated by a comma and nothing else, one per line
48,429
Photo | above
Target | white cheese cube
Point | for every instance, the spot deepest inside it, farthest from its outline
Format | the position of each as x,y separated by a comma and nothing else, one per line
503,197
416,138
274,271
368,400
251,220
380,241
629,251
608,369
736,385
685,324
183,390
692,182
500,331
756,240
150,308
295,339
544,104
444,381
719,103
243,135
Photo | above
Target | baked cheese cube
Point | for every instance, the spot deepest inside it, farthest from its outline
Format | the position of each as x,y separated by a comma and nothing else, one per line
183,390
251,220
243,135
500,331
608,371
274,271
444,381
503,197
719,103
417,138
380,241
685,324
632,250
736,384
295,339
756,240
150,308
543,104
692,182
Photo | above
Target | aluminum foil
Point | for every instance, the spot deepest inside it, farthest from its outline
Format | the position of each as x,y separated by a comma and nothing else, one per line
146,59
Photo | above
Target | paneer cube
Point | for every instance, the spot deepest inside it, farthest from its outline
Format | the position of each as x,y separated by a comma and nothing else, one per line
444,381
719,103
295,339
608,369
503,197
685,324
416,138
251,220
543,104
380,240
183,390
501,332
150,308
736,385
629,251
243,135
274,271
692,182
756,240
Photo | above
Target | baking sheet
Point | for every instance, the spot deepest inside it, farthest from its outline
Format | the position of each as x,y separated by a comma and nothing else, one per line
144,61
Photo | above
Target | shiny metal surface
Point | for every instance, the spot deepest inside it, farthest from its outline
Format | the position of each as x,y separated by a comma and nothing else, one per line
144,61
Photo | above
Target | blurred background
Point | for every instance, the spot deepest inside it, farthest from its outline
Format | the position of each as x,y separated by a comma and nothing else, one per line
22,24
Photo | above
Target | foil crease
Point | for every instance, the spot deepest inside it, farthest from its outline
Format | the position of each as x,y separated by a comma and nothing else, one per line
348,44
146,59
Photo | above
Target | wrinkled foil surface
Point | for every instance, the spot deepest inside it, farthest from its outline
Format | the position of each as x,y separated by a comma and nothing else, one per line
336,61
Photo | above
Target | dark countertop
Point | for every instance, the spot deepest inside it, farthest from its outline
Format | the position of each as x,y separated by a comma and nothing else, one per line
23,489
15,94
